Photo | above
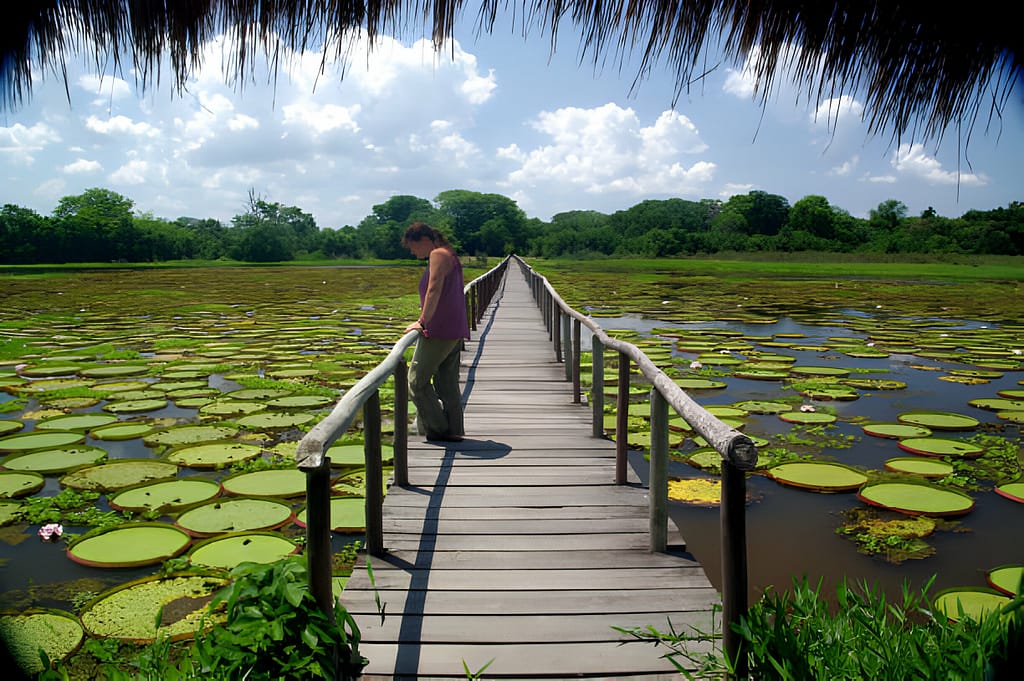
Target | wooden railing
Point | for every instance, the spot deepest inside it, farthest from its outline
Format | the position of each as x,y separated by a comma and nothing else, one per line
365,394
738,452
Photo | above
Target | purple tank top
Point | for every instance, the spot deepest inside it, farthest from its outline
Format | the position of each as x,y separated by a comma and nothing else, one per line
449,319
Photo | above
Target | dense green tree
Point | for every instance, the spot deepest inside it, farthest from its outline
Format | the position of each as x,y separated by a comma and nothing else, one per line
814,215
21,231
467,213
98,226
763,213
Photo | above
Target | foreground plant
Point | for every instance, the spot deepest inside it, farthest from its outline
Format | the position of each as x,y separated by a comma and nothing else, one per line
798,635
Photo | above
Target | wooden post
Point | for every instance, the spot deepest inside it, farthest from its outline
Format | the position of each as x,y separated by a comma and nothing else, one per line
567,346
734,564
318,535
374,476
621,420
658,489
597,386
556,327
401,442
576,361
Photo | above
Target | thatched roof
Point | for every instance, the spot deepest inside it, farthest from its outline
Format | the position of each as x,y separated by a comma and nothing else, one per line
919,66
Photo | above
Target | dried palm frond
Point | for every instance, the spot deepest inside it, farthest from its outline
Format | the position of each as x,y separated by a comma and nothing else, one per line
919,66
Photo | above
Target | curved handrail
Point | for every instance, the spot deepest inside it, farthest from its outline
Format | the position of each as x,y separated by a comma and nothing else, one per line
733,445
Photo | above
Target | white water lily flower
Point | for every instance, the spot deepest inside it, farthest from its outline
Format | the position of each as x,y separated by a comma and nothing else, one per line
807,407
725,352
696,365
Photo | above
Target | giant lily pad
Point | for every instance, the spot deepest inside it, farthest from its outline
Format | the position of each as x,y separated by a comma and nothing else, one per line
121,431
1006,579
129,545
895,430
974,603
227,407
135,406
275,420
214,454
119,474
1012,490
996,404
348,514
351,454
277,482
939,420
699,383
808,417
821,476
8,426
300,402
58,460
229,550
916,498
234,515
75,422
39,440
114,370
167,495
14,484
938,446
56,632
914,465
819,371
185,435
763,407
141,610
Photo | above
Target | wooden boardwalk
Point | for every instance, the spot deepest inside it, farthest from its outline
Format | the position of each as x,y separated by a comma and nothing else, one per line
515,547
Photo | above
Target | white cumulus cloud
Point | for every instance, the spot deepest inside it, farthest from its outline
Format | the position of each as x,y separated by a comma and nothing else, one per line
82,166
912,161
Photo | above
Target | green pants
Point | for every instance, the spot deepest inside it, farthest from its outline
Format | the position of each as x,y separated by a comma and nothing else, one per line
434,387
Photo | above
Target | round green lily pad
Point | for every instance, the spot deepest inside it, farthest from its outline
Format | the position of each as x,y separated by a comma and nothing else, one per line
234,515
133,611
135,406
121,431
705,458
763,407
818,371
75,422
300,402
915,498
8,426
1011,394
278,482
699,384
1013,491
129,545
257,393
829,392
972,602
723,411
351,454
895,430
40,440
227,407
1006,579
822,476
761,374
188,434
114,370
167,495
56,632
805,417
119,386
996,404
275,420
938,446
118,474
214,454
938,420
915,465
874,383
58,460
229,550
15,484
348,514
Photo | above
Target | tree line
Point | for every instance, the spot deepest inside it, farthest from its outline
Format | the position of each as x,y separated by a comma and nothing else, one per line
100,225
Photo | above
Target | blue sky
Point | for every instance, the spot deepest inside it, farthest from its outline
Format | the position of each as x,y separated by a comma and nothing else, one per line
496,114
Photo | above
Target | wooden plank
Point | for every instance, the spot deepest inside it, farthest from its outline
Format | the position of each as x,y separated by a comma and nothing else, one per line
527,560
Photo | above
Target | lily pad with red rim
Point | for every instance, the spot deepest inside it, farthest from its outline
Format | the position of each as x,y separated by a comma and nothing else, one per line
915,465
819,371
15,484
235,514
975,603
348,514
1014,491
167,495
895,431
214,454
227,551
939,446
8,426
939,420
135,406
139,611
277,482
60,460
820,476
40,440
997,404
807,417
79,422
188,434
121,431
129,545
1006,579
118,474
916,498
56,632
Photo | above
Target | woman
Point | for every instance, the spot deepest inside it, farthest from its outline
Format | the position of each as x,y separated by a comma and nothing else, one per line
443,326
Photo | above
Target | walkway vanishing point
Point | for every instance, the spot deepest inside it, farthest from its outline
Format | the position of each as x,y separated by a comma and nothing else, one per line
515,548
